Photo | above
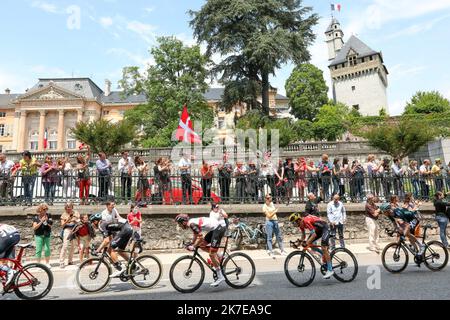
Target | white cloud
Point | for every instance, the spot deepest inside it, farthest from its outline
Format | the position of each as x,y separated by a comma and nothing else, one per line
106,22
418,28
401,70
45,6
150,9
145,31
45,71
138,59
396,108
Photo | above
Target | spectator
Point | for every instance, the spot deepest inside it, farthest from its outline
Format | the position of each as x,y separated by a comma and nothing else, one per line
157,193
437,171
29,168
325,171
447,170
337,218
300,168
66,178
84,177
289,174
125,167
385,171
270,171
280,188
49,173
335,175
69,219
252,183
262,182
312,205
135,219
6,179
397,173
42,227
207,175
413,174
372,213
313,178
104,170
185,167
225,172
164,168
240,174
442,216
272,227
143,185
425,182
344,175
373,171
85,234
357,181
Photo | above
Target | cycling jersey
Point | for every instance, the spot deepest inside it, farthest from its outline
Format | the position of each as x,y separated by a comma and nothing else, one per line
404,214
6,230
198,225
313,223
9,237
122,234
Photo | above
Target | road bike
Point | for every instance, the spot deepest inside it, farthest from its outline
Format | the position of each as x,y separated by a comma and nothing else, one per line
300,268
188,272
395,256
242,230
31,282
144,271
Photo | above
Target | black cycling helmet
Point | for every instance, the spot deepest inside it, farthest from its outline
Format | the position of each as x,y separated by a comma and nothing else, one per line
181,218
95,217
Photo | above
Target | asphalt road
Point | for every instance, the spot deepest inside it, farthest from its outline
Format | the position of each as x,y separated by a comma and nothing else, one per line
372,282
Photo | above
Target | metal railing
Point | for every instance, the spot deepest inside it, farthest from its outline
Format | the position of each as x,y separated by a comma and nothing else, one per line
149,190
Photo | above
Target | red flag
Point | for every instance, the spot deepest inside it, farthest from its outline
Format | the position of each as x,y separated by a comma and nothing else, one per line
185,131
339,7
45,139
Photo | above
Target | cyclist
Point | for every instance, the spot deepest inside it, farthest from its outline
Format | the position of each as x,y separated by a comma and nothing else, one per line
406,222
117,232
215,230
9,237
320,230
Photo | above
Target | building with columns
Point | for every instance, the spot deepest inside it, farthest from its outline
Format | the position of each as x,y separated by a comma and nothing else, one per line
54,106
359,76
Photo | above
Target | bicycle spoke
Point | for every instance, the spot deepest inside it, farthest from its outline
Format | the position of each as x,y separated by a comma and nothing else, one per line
34,282
239,270
93,275
435,256
299,269
146,272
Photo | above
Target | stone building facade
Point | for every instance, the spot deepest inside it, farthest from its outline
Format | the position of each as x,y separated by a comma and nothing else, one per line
53,106
359,76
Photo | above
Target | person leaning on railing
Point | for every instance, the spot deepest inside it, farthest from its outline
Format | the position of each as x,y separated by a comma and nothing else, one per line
29,170
6,179
437,171
83,177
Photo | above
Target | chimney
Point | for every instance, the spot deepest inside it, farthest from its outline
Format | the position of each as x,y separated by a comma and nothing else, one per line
7,91
107,87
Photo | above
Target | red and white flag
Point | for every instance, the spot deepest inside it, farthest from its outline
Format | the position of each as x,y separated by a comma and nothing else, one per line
185,131
335,7
45,139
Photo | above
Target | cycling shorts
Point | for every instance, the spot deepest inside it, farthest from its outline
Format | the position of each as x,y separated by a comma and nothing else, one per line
323,234
215,237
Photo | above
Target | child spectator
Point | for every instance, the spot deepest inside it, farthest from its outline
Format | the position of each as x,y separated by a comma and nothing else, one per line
135,219
84,235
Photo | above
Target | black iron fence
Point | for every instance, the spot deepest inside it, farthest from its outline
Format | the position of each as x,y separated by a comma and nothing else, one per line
192,189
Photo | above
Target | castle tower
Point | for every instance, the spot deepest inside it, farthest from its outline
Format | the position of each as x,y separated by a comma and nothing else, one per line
335,38
358,74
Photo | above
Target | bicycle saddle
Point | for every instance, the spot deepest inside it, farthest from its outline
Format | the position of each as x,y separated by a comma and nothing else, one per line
26,246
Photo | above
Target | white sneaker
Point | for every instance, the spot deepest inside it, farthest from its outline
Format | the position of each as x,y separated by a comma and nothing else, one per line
10,276
284,253
219,280
271,254
328,274
49,266
117,274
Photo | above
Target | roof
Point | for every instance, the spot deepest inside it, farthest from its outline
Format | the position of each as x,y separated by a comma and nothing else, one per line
330,27
84,87
357,45
116,97
7,99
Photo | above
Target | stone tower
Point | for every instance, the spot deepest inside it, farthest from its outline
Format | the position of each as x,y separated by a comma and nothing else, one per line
358,74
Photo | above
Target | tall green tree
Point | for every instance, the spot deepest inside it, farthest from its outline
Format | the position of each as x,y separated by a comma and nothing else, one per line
400,137
256,38
331,122
427,103
178,76
307,91
104,136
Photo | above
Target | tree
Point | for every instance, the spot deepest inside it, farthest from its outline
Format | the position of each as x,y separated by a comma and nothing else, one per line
400,138
307,91
104,136
331,122
256,38
177,77
427,103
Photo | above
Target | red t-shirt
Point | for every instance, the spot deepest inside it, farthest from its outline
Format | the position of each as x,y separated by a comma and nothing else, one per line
84,231
131,216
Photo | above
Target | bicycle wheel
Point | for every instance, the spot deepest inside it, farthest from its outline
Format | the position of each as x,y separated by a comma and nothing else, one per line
93,275
435,256
187,274
239,270
34,282
345,265
300,269
395,258
146,271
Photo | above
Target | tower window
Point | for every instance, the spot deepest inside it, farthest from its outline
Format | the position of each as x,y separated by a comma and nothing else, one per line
371,58
356,107
353,88
337,34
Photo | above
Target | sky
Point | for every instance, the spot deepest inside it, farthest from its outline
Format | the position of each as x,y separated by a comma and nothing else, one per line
97,38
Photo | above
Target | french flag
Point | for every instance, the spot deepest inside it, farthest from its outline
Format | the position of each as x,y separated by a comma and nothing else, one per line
45,139
335,7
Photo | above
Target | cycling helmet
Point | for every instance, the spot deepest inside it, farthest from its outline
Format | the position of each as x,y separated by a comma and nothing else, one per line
294,217
95,217
181,218
385,207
